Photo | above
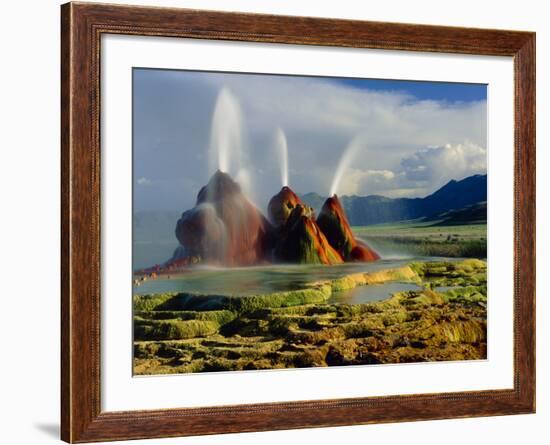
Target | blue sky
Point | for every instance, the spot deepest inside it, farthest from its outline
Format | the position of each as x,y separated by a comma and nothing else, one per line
422,90
408,138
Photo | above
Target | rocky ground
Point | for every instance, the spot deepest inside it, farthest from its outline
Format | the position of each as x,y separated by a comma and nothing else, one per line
180,333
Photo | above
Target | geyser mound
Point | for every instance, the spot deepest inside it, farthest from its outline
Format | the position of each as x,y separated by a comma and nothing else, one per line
281,205
202,233
224,227
333,222
299,240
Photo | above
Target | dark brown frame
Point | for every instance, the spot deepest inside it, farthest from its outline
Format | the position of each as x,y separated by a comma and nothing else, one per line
82,25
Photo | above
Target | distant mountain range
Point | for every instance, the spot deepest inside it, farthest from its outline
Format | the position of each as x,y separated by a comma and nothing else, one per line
473,214
463,201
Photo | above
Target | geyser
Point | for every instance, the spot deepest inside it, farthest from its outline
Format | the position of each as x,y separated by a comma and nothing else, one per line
228,147
334,224
224,227
300,240
281,205
281,149
349,155
296,237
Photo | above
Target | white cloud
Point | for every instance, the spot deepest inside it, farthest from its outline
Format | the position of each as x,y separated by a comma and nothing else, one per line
323,108
419,174
144,181
436,166
361,182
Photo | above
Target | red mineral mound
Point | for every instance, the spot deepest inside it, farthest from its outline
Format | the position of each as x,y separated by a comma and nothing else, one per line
224,227
282,204
333,222
300,240
202,233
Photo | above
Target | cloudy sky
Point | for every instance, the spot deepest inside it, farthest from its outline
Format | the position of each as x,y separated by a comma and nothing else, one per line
403,138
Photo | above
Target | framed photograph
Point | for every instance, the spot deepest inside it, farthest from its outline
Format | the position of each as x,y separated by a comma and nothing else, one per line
274,222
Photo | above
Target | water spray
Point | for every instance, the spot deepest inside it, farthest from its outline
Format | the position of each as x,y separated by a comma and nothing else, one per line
351,151
281,148
228,148
226,134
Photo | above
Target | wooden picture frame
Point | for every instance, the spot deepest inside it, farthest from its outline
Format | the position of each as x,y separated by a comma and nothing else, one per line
82,25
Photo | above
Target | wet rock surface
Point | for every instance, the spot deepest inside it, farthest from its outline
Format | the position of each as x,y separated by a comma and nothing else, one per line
333,222
281,205
300,240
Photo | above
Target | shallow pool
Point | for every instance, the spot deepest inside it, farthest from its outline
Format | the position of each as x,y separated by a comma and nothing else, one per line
242,281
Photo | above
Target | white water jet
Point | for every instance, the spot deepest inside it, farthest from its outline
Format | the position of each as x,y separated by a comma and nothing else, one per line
228,147
226,133
281,148
351,151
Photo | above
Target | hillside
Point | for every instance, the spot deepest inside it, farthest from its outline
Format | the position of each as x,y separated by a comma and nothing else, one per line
472,214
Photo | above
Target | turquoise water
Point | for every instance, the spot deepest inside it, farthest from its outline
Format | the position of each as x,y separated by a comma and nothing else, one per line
242,281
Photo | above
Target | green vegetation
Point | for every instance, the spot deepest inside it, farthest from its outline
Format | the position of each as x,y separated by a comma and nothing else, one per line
172,329
427,238
446,320
151,302
464,273
178,302
220,317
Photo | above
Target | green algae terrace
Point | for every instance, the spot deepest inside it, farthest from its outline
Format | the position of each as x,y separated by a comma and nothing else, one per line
179,332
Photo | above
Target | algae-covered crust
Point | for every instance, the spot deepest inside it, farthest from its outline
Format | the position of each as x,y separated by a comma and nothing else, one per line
180,333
